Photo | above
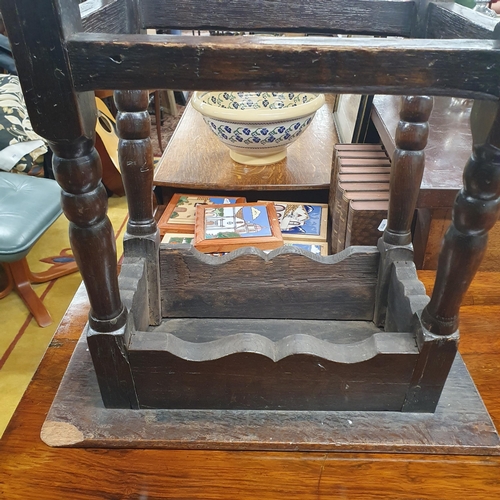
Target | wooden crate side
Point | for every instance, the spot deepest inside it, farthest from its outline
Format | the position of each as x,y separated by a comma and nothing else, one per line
286,283
251,371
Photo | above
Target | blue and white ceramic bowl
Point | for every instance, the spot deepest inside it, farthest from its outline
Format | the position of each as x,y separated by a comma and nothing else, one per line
257,127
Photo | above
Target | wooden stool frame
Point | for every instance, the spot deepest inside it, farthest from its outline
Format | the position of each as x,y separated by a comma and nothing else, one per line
62,56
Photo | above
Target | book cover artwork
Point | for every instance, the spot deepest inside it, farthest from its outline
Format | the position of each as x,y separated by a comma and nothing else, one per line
237,222
180,214
223,228
316,248
302,221
185,207
178,239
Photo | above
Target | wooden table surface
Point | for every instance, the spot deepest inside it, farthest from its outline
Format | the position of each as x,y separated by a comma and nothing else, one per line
448,148
29,469
196,159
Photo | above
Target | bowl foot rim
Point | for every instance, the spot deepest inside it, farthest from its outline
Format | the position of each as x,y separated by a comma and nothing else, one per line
257,160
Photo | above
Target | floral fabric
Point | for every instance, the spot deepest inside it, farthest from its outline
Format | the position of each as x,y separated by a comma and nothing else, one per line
15,125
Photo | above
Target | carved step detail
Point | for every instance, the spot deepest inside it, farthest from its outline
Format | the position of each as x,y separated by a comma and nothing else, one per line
406,176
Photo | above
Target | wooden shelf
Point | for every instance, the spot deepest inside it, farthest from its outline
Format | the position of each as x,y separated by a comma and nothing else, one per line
196,159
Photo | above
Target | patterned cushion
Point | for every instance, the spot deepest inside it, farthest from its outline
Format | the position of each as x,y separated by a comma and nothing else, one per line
15,125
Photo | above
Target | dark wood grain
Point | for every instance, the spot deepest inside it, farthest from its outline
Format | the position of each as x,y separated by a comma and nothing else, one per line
406,176
329,431
134,290
250,371
196,159
41,52
112,367
406,298
105,16
316,16
452,20
464,68
286,283
437,355
75,63
135,155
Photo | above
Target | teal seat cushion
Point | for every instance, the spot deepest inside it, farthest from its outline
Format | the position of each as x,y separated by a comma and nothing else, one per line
28,206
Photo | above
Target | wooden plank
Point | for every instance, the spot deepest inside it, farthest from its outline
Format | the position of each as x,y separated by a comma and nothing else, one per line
437,354
134,289
383,17
286,283
463,68
81,422
105,16
452,20
405,298
277,364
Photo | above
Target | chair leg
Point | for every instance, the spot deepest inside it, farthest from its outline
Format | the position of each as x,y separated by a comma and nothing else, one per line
52,273
22,277
20,274
10,282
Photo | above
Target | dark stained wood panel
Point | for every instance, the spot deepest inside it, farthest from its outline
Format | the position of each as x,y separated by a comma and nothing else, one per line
105,16
299,372
287,283
466,68
386,17
452,20
41,52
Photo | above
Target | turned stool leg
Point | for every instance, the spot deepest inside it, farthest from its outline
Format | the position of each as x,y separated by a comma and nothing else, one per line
407,167
135,154
406,176
474,213
66,119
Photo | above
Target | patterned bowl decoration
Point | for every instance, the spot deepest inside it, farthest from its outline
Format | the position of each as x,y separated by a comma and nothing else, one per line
257,127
